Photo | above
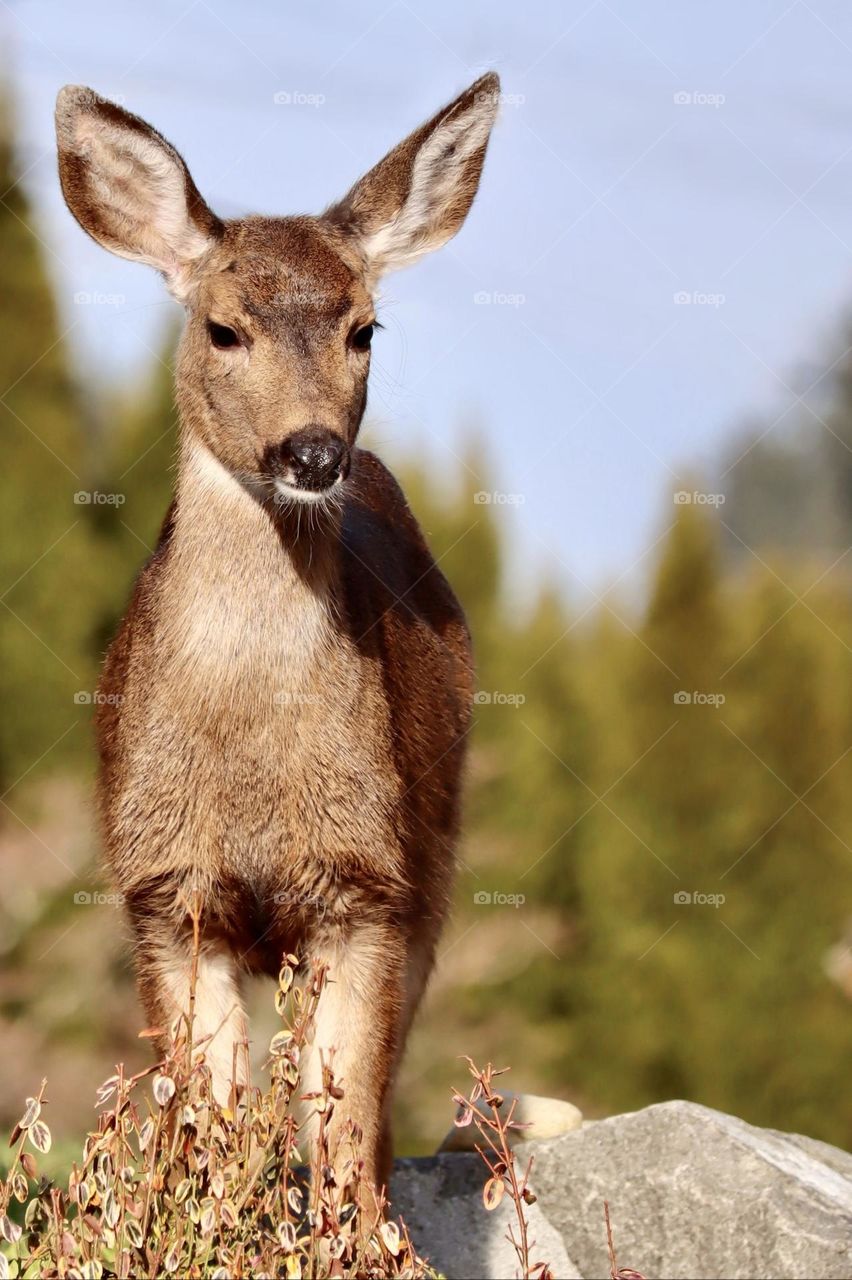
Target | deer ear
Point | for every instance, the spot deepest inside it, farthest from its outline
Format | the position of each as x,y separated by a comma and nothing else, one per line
416,198
128,187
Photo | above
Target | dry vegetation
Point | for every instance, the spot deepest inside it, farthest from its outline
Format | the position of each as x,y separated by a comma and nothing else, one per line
172,1183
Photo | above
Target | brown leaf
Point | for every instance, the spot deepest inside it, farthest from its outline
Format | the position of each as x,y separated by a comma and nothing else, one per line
106,1090
182,1190
39,1136
9,1230
111,1209
492,1193
164,1090
280,1043
287,1236
172,1258
32,1110
389,1232
133,1231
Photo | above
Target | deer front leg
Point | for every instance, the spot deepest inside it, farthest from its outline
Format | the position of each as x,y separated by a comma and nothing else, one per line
357,1032
165,972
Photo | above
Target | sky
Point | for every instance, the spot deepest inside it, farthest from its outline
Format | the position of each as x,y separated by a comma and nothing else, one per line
662,239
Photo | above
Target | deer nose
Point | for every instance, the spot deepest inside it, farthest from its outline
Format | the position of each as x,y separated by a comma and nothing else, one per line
315,457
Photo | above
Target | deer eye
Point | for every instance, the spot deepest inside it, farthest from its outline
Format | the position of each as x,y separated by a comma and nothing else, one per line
221,336
362,337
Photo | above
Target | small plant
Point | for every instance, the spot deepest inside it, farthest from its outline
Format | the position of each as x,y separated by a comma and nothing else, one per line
615,1271
484,1108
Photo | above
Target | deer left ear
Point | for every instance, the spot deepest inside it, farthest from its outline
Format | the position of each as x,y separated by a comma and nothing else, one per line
416,199
129,188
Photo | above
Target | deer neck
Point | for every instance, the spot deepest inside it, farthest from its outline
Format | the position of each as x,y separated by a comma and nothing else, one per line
252,594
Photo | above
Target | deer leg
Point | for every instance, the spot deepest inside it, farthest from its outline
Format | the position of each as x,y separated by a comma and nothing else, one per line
219,1027
419,964
357,1033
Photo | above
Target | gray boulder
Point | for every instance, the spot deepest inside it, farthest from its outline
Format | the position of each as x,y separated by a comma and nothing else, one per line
440,1198
692,1193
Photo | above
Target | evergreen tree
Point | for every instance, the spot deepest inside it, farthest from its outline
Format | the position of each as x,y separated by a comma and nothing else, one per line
789,482
836,442
790,888
140,467
660,831
46,573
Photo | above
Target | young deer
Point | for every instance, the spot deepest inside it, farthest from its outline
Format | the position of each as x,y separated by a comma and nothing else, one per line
288,699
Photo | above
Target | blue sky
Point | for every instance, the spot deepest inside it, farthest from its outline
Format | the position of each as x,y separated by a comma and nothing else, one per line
644,151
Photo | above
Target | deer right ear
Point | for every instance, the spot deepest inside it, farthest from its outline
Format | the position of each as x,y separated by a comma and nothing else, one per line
415,199
129,188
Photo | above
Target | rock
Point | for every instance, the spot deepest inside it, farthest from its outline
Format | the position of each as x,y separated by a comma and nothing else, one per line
440,1198
546,1118
696,1193
692,1193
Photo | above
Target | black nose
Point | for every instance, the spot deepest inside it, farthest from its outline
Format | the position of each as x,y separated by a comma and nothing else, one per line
314,458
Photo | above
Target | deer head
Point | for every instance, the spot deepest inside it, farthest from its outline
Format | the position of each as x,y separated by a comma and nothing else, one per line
274,358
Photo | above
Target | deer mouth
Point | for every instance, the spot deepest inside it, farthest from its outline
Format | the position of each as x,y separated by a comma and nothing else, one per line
287,491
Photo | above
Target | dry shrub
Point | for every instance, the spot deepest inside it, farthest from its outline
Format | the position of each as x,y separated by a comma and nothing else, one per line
172,1183
176,1184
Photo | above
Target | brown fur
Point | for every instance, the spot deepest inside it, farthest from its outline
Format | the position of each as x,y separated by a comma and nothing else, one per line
285,706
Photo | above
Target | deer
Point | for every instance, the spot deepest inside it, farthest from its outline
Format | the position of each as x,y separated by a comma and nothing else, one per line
283,713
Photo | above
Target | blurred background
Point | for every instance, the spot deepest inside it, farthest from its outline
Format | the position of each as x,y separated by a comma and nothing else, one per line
621,404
